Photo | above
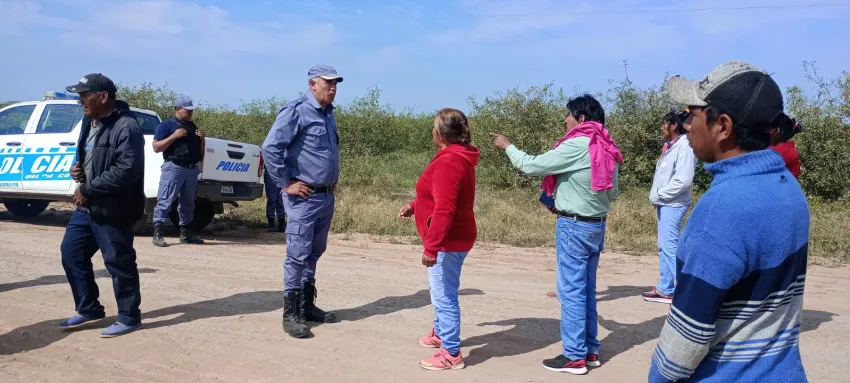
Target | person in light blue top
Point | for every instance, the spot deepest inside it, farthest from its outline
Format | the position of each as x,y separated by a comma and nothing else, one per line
670,194
301,153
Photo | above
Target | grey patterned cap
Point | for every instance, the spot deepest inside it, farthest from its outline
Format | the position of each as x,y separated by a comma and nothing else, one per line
742,91
695,93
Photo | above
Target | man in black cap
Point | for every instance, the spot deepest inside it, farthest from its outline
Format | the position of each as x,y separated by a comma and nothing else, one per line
182,146
110,199
741,267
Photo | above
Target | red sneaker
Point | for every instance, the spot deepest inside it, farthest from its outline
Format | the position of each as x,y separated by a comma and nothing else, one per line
654,296
431,340
442,360
593,360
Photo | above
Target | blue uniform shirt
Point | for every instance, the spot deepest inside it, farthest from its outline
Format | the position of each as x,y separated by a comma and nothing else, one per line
303,144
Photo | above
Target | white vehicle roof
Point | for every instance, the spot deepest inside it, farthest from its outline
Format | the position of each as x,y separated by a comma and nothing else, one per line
75,102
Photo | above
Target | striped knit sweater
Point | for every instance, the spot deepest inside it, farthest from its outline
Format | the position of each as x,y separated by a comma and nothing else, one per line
741,266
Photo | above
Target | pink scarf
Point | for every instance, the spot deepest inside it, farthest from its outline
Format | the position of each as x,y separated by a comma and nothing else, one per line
604,156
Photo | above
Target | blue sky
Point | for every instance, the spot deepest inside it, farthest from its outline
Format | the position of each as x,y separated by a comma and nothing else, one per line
424,55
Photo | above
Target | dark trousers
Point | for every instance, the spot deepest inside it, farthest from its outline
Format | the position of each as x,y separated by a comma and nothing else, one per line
84,236
274,198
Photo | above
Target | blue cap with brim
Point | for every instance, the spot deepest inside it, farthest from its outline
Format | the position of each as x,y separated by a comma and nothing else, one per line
326,72
184,102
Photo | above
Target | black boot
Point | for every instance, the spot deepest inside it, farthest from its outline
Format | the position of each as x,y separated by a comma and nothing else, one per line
158,239
313,313
272,226
188,237
281,225
293,314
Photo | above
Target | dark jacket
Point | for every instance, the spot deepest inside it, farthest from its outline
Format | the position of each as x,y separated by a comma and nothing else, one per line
115,189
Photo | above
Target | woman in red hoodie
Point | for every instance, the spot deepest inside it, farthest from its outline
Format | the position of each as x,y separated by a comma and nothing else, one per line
445,195
781,142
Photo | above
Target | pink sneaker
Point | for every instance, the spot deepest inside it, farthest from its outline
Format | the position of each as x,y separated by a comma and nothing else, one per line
442,360
431,340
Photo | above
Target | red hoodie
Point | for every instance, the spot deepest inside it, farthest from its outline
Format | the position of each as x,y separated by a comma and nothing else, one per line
445,195
788,151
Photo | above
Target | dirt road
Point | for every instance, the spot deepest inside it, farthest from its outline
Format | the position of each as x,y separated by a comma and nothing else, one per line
213,313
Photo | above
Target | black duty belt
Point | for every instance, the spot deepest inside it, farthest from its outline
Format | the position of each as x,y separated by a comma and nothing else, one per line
318,189
581,218
186,165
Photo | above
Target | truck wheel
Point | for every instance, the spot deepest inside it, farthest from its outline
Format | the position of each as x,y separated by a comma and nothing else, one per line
26,207
204,214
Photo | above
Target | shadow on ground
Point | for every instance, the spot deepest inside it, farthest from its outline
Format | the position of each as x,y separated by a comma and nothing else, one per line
389,305
43,334
56,280
525,334
532,334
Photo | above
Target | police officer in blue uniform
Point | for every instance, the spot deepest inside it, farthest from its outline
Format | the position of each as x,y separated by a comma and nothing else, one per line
274,204
182,146
301,153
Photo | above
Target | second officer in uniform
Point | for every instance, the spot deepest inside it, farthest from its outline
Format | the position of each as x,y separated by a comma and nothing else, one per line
182,146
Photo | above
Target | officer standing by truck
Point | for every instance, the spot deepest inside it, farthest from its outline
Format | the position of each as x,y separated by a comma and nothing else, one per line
301,152
182,146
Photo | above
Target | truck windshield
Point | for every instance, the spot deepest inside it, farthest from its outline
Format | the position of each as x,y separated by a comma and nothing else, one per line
148,122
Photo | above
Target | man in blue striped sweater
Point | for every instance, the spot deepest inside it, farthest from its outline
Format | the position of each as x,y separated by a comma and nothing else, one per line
741,260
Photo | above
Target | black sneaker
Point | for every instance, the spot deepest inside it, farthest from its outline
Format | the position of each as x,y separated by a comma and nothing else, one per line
562,364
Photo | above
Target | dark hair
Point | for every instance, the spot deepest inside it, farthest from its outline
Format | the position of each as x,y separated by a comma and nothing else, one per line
588,107
756,136
790,131
678,118
453,125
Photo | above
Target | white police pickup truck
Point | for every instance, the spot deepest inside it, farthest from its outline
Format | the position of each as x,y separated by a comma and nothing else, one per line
38,146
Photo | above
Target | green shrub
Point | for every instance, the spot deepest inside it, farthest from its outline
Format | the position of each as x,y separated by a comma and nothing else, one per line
376,140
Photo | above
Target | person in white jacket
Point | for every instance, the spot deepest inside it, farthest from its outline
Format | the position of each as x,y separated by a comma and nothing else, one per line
671,195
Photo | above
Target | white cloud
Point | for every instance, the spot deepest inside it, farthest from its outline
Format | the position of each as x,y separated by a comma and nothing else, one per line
553,28
139,27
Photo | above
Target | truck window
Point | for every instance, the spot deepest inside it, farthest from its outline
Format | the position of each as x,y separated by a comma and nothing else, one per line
14,120
59,118
148,122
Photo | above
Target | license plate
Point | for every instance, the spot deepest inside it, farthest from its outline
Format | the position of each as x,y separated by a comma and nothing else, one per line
226,189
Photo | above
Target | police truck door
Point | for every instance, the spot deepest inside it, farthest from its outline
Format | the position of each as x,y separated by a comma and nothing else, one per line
51,149
13,125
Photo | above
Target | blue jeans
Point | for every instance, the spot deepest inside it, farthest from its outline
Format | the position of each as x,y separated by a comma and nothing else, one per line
176,181
309,221
578,245
274,198
669,228
84,236
444,281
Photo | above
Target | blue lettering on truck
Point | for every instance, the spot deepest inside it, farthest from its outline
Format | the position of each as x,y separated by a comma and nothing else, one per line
38,164
228,166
